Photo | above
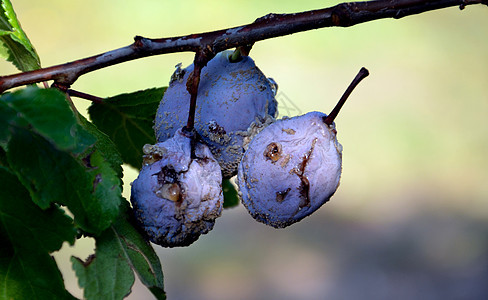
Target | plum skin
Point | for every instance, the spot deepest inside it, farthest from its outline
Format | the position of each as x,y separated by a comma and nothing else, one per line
176,198
233,98
290,169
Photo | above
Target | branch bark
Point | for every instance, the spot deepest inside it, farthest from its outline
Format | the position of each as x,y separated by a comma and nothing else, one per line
269,26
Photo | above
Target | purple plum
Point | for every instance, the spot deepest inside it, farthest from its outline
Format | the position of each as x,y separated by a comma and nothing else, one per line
235,100
177,197
291,168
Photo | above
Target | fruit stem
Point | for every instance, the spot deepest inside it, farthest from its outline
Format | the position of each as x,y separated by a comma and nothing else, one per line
363,73
236,56
192,86
240,52
201,59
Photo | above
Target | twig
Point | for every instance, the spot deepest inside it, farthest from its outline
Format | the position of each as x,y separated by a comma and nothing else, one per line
269,26
85,96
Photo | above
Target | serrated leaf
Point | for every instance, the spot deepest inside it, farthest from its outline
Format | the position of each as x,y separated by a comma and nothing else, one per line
128,120
92,191
140,253
57,159
106,276
28,234
14,44
46,112
120,249
15,52
231,198
104,145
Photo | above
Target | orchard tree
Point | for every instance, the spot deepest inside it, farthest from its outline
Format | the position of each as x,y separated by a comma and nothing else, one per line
61,174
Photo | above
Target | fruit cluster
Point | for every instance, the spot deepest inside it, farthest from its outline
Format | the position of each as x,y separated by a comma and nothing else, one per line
286,169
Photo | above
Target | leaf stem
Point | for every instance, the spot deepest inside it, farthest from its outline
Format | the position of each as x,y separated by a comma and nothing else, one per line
85,96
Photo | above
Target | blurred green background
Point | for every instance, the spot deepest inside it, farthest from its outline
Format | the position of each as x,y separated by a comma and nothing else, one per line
410,218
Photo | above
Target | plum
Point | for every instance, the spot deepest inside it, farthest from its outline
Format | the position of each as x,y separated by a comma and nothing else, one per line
293,166
178,193
235,100
290,169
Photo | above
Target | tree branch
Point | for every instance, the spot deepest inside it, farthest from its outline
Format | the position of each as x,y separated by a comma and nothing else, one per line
269,26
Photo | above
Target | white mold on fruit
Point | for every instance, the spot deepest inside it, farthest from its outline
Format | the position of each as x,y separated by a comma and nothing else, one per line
176,198
290,169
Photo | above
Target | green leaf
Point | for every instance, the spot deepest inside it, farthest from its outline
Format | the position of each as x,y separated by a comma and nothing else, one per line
28,235
49,228
231,198
27,274
46,112
14,44
3,158
120,248
92,191
128,120
140,253
105,146
106,275
17,53
58,160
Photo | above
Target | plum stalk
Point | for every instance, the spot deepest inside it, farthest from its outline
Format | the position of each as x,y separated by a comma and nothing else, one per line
363,73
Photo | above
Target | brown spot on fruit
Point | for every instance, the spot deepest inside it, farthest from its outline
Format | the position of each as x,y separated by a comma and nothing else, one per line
285,160
280,196
215,128
305,183
152,154
289,130
167,175
273,152
170,191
